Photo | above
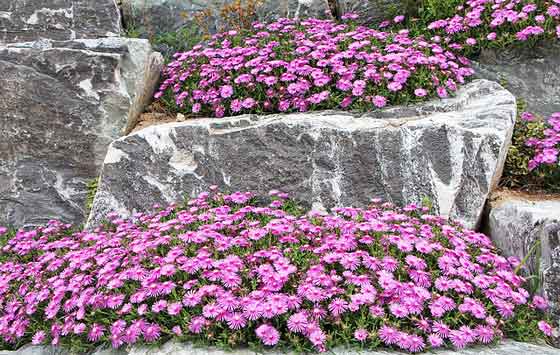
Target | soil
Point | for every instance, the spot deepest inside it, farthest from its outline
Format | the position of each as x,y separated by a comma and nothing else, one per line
502,194
155,114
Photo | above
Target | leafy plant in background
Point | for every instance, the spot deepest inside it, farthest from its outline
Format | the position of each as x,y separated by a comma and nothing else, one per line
223,270
181,40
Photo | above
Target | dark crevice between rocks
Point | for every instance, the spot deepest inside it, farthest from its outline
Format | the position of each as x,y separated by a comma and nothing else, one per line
335,9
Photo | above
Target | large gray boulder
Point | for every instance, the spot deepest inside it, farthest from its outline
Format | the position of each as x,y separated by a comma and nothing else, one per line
151,17
507,347
529,227
62,103
450,151
531,74
30,20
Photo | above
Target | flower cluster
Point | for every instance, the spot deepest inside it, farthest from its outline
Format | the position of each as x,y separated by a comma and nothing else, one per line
306,65
476,24
227,271
547,147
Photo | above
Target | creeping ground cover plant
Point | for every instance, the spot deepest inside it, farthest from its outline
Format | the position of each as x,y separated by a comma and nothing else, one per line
468,26
226,270
307,65
533,160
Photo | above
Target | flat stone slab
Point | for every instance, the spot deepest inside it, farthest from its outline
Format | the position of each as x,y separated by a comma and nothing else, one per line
62,105
516,222
172,348
30,20
450,151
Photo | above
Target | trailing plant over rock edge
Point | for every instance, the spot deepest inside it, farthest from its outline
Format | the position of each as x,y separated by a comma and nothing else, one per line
228,271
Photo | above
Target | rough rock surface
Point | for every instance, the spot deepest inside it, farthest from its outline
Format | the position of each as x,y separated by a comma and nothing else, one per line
516,223
172,348
372,11
61,106
30,20
451,151
156,16
531,74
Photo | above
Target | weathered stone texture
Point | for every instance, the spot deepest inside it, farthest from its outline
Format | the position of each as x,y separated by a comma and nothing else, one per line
507,347
451,151
516,223
62,104
531,74
30,20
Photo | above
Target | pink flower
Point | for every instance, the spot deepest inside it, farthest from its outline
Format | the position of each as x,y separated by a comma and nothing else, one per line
545,328
420,92
236,321
389,335
379,101
38,338
267,334
338,306
197,324
435,340
174,308
298,322
527,116
540,303
177,330
361,334
226,91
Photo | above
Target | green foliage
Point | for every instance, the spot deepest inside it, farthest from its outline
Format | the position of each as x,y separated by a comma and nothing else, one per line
132,32
91,191
181,40
516,173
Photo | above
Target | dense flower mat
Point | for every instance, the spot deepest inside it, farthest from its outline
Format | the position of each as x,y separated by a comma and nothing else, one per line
224,270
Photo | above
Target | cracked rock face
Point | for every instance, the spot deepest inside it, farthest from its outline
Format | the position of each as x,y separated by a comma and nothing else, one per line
450,151
61,106
30,20
157,16
532,75
516,224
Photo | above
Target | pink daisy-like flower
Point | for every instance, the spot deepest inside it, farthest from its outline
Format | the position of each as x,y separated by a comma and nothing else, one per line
545,328
39,337
361,334
236,321
267,334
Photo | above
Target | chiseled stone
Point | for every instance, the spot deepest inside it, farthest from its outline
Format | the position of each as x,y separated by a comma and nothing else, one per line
450,151
506,347
62,103
30,20
516,223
